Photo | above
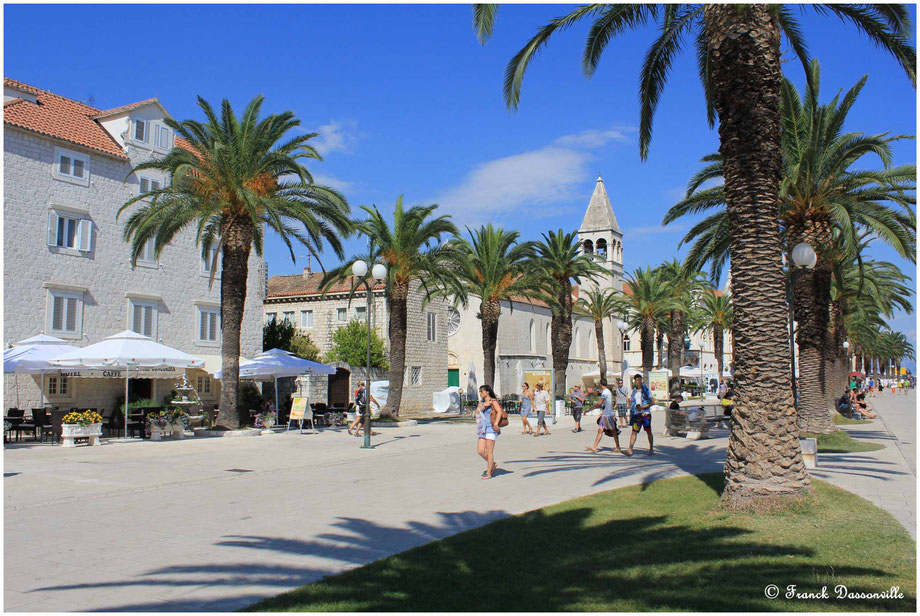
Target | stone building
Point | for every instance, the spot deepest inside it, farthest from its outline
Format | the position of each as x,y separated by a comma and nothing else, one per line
67,171
298,299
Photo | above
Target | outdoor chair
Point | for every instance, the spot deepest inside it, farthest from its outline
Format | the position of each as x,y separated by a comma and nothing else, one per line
137,422
57,419
20,425
114,424
42,423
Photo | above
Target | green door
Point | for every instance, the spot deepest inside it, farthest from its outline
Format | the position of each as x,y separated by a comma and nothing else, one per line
453,377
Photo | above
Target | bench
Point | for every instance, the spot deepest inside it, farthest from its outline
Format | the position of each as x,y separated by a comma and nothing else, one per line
694,416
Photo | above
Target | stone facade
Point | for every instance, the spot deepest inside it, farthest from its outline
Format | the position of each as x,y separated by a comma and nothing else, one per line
298,297
98,275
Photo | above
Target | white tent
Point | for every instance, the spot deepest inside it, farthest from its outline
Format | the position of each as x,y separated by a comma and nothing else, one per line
127,350
31,356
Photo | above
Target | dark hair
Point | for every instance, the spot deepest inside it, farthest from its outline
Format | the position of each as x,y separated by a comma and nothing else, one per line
526,385
488,390
861,397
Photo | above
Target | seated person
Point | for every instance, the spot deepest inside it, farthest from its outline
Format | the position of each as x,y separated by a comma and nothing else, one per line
863,408
728,401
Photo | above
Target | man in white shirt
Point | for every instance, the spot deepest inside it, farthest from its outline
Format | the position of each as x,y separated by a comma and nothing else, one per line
541,406
607,424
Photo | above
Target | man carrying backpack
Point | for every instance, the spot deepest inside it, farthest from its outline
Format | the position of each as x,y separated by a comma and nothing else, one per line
361,403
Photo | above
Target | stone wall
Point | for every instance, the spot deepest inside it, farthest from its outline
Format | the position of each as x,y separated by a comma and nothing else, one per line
103,275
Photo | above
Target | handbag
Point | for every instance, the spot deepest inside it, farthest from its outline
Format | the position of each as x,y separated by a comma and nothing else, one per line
502,417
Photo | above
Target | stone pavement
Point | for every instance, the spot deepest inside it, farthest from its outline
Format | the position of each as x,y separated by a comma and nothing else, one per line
887,477
216,524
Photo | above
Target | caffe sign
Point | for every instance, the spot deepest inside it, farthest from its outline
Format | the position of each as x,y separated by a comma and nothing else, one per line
166,372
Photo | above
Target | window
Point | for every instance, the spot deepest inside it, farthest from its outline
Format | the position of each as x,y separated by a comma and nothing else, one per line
69,231
66,313
306,319
625,343
341,315
147,254
270,316
415,375
432,333
207,262
361,313
144,318
140,131
163,136
58,386
208,327
533,337
204,385
288,316
147,184
70,166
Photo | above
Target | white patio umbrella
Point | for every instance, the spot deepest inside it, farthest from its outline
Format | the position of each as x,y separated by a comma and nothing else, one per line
278,363
126,350
31,356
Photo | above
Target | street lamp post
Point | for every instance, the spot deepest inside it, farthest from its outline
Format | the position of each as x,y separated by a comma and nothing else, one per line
803,256
379,272
622,326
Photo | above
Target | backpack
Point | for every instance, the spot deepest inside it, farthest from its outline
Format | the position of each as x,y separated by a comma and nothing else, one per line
359,397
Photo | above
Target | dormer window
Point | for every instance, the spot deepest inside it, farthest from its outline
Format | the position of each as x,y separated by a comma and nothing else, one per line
140,131
164,139
150,133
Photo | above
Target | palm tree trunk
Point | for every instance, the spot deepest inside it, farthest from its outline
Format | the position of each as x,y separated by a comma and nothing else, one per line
675,342
490,312
718,345
237,242
399,319
562,337
764,460
647,341
659,347
601,350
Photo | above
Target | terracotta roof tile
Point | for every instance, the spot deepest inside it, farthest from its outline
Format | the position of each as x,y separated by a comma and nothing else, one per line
299,285
123,108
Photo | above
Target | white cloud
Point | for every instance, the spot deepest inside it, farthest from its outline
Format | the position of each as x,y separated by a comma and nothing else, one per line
653,230
332,182
536,181
336,136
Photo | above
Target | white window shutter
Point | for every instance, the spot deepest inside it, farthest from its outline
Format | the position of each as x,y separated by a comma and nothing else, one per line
202,325
71,315
137,324
52,228
212,331
148,321
85,235
57,313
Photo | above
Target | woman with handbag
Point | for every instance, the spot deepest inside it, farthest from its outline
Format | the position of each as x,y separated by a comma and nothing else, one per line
607,422
490,419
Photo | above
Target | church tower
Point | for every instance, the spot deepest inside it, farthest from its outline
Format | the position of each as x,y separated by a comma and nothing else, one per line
600,236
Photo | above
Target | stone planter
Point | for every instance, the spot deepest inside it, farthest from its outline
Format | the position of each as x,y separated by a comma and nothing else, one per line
267,424
69,432
169,431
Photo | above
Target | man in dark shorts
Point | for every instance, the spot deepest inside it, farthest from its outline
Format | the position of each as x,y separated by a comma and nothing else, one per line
578,404
640,404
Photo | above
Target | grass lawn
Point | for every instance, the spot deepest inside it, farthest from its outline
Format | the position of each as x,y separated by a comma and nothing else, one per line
840,420
841,442
660,546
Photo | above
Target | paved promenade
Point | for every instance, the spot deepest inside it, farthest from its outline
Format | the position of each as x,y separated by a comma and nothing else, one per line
216,524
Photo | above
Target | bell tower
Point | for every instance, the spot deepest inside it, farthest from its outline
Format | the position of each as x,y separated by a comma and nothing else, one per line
600,236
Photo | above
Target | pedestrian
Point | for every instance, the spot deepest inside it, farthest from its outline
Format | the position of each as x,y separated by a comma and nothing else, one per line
526,406
489,414
728,401
640,404
607,422
541,406
578,404
361,402
622,398
723,387
871,386
894,386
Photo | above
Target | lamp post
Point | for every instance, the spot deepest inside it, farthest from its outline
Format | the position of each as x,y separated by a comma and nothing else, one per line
803,256
622,326
378,272
687,342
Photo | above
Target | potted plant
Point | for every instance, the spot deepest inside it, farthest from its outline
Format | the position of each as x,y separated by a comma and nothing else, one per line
266,420
169,423
81,424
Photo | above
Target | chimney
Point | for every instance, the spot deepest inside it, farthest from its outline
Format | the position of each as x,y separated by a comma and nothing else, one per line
306,272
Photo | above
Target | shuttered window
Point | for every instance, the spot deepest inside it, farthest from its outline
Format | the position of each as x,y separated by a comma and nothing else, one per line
69,231
66,311
144,318
147,254
306,319
208,325
432,331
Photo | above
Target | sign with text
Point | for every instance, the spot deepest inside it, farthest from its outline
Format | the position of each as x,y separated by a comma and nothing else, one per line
532,377
298,409
658,384
167,372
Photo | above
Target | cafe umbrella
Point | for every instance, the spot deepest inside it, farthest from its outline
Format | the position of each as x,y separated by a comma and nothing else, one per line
127,350
32,356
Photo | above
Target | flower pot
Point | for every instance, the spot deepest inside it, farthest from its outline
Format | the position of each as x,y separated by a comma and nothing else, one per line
172,430
267,424
69,432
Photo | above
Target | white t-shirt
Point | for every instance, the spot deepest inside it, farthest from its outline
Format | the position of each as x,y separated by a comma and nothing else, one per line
607,408
541,400
637,397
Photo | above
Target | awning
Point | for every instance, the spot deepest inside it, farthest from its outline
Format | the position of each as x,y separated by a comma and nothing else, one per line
214,363
166,372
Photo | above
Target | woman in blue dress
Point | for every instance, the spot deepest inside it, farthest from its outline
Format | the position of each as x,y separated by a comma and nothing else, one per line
526,406
488,414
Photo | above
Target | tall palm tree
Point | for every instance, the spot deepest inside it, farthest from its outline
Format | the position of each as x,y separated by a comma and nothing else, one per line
557,263
494,267
599,304
717,317
232,177
738,53
825,203
685,282
416,259
649,301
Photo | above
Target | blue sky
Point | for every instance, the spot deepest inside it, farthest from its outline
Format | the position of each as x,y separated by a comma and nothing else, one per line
409,103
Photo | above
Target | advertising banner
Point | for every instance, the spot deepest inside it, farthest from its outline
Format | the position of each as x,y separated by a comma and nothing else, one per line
658,384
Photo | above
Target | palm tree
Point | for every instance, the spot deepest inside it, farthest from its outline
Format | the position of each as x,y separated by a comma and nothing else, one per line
231,178
825,204
494,267
738,52
558,262
648,302
717,318
416,260
685,282
599,304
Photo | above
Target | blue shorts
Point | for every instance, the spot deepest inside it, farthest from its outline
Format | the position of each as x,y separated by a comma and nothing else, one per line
641,421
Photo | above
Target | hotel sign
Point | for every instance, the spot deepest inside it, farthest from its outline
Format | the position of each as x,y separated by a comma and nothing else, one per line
167,372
